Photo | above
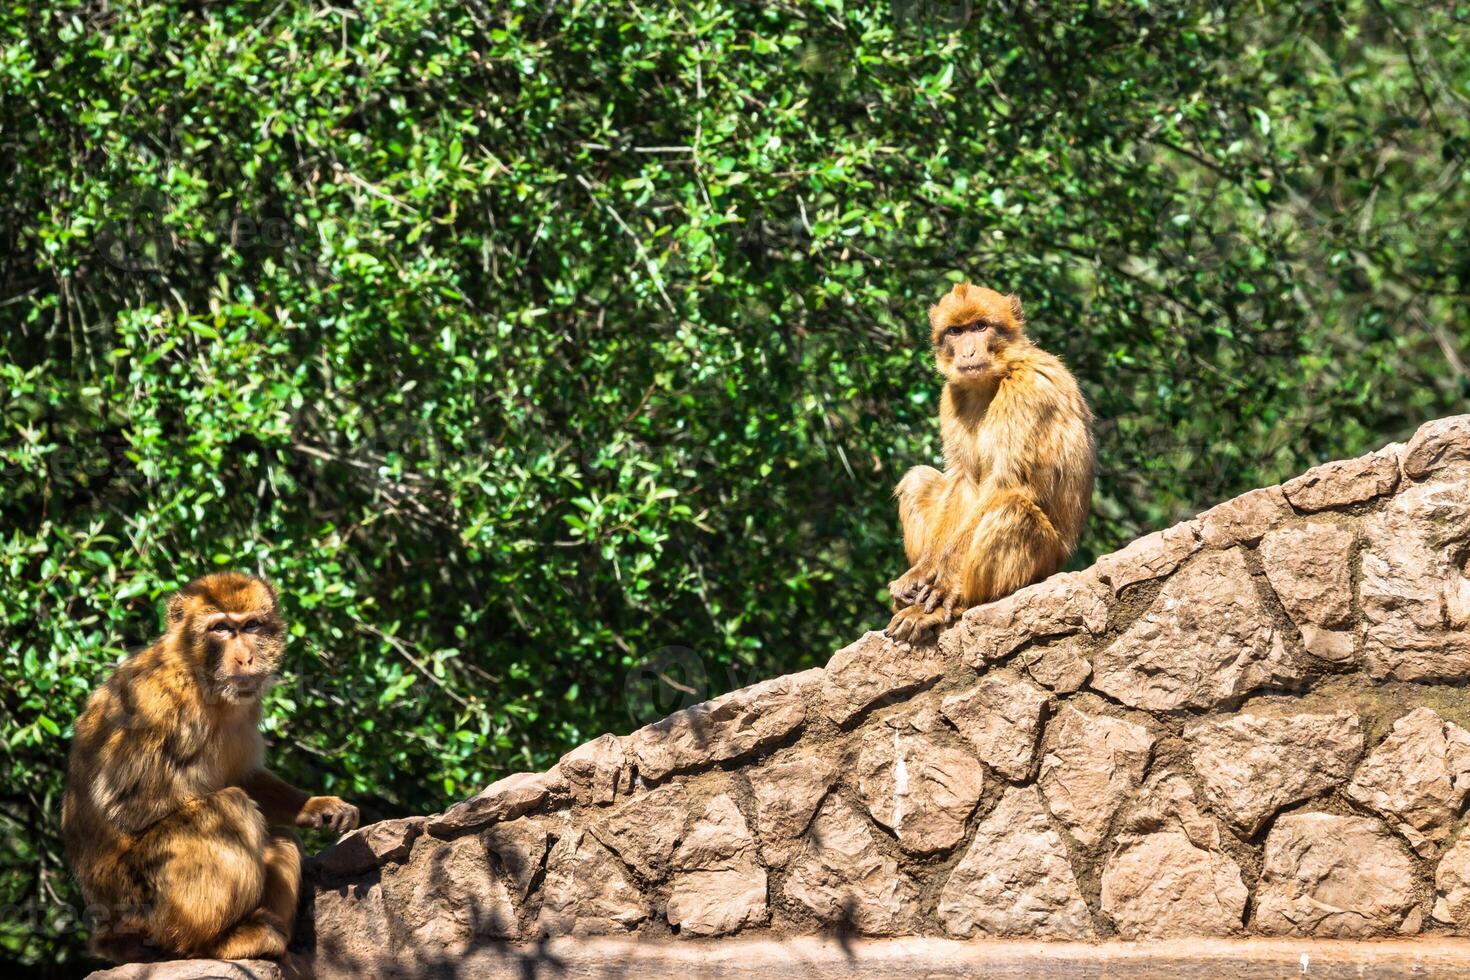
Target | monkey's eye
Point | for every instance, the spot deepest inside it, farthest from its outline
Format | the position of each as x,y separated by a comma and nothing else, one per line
221,627
253,626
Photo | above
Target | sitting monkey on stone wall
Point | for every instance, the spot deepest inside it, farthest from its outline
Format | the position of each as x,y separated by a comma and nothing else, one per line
1018,462
174,827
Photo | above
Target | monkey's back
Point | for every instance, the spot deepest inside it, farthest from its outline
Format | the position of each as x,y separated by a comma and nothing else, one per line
1066,456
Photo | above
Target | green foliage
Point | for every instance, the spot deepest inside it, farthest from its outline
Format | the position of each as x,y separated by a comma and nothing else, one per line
520,343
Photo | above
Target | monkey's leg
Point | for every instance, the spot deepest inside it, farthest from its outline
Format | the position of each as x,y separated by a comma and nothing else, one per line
266,931
1014,544
207,871
920,500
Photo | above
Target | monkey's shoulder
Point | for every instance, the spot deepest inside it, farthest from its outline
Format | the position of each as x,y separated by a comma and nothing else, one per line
148,700
1044,373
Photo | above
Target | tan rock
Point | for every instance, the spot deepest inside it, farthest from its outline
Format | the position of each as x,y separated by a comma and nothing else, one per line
1000,717
1161,885
729,727
521,846
351,926
597,771
644,830
447,896
719,839
1339,646
1417,777
1091,763
875,670
1205,639
1061,605
370,847
1345,481
1149,557
787,792
586,892
920,789
1016,879
843,878
1060,666
506,799
1252,765
1436,446
1333,876
719,887
1168,801
1308,567
1414,592
1243,519
1452,887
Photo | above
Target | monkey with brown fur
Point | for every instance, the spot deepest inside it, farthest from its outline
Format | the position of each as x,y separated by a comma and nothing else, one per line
175,829
1018,467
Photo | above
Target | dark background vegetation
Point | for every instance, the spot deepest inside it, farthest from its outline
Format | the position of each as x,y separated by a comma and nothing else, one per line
539,348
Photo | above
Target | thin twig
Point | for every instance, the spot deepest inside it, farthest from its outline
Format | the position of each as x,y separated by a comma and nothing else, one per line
637,243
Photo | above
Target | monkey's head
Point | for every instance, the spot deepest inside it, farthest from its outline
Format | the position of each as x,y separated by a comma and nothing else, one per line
973,328
229,628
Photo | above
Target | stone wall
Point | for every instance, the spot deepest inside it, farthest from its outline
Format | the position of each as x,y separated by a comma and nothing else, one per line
1249,724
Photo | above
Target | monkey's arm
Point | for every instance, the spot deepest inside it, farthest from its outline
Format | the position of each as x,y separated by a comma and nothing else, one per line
284,804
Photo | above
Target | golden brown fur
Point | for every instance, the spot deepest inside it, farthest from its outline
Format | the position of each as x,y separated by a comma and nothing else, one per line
1018,459
176,831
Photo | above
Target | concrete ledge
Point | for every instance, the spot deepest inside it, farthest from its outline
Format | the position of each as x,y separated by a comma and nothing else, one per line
830,959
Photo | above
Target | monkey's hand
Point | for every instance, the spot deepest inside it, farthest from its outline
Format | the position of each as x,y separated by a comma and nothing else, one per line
912,587
914,623
328,813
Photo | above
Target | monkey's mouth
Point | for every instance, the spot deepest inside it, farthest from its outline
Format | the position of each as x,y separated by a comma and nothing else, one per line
245,687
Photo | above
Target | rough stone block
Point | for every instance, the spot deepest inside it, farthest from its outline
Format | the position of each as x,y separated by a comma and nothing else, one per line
1308,567
1090,766
875,670
1162,884
1417,777
1016,878
1253,765
1415,589
1205,639
1149,557
919,789
1345,482
1244,519
1334,876
1001,718
729,727
1436,446
1068,603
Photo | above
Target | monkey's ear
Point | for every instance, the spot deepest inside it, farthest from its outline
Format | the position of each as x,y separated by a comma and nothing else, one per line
1016,310
175,609
934,316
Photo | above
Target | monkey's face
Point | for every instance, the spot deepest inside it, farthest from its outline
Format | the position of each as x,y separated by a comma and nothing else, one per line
243,649
973,328
232,631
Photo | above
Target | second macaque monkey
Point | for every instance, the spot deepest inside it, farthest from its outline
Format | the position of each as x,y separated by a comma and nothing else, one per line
175,829
1018,464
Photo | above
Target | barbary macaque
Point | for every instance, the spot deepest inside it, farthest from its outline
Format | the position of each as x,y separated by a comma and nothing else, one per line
1018,464
175,829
